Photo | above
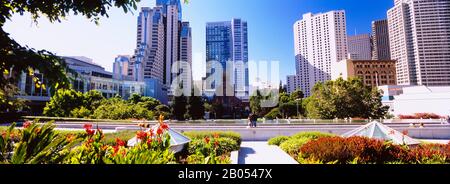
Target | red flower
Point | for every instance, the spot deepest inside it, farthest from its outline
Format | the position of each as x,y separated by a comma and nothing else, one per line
216,143
141,135
90,132
116,149
26,124
216,135
164,126
405,132
87,126
207,140
120,142
159,131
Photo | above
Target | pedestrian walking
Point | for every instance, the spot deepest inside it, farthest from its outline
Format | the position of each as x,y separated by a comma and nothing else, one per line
253,118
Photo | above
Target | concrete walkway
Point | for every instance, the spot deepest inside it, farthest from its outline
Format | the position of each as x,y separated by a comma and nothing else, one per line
262,153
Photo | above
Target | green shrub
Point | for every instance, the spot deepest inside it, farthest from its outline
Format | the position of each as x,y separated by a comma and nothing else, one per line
226,145
273,114
110,139
81,112
277,140
311,135
292,146
200,135
200,159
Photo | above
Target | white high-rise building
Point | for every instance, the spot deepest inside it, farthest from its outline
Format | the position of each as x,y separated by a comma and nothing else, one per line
360,47
292,83
148,60
320,40
419,32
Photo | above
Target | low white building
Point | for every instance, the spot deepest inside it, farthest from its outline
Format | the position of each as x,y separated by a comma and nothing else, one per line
408,100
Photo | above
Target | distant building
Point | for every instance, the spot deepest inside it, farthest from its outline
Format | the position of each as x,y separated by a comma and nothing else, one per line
292,83
420,41
163,40
320,40
227,42
360,47
121,67
380,40
373,72
90,76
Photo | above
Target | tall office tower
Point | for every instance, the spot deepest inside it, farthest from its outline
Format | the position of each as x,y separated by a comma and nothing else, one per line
227,42
186,57
359,47
419,33
172,20
380,40
121,66
148,61
319,40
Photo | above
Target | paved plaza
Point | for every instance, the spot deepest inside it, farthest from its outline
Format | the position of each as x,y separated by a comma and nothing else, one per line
262,153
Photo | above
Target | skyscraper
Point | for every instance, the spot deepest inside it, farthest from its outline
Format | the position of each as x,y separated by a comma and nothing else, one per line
227,43
319,40
380,40
419,33
359,47
162,40
148,60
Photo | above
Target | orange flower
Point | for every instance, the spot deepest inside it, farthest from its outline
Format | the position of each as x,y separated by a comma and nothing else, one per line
161,118
216,135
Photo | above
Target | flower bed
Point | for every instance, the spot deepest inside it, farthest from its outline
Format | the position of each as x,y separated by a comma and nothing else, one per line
35,144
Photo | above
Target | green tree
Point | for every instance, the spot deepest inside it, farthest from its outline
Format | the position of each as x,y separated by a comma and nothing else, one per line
147,102
196,108
179,107
162,110
63,102
345,98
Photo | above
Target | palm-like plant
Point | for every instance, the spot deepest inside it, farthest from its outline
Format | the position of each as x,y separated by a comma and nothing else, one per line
37,145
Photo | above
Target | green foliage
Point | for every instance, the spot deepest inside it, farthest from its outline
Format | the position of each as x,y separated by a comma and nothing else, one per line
278,140
163,110
225,145
118,109
179,107
200,135
81,112
146,102
110,138
311,135
201,159
195,108
292,146
8,100
17,58
343,99
36,145
273,114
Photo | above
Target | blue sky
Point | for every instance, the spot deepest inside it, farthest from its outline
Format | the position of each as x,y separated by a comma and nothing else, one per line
270,28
